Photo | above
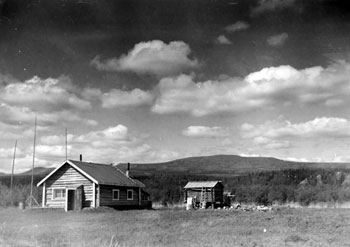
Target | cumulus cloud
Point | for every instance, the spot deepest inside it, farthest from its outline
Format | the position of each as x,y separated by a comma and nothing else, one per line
43,94
17,115
91,93
328,86
107,144
11,132
182,94
52,151
283,85
278,134
136,97
271,5
7,153
237,26
277,40
205,132
318,127
24,115
282,73
54,101
107,137
152,57
334,102
115,98
54,139
223,40
269,143
113,144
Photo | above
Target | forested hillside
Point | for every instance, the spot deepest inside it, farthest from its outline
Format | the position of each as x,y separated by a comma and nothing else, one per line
225,166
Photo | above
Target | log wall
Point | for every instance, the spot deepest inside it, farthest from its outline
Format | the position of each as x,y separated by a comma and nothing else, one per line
107,200
68,177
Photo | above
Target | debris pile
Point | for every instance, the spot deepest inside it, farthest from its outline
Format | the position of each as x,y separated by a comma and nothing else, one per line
238,206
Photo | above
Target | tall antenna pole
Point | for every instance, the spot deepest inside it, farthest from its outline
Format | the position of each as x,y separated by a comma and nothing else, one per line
31,185
31,198
66,145
13,165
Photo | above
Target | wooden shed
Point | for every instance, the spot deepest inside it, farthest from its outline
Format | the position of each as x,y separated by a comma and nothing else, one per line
204,193
75,185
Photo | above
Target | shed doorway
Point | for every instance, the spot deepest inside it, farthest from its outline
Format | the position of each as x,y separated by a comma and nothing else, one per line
74,199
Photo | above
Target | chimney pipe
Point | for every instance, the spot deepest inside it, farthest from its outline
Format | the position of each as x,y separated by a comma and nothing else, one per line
81,157
128,170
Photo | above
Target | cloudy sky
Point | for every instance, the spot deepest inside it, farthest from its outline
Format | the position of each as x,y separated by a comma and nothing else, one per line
150,81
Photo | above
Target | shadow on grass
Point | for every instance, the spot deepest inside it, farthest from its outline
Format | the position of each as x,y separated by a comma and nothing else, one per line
295,239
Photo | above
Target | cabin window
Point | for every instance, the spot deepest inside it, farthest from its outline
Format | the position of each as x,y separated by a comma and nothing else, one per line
115,194
58,193
130,194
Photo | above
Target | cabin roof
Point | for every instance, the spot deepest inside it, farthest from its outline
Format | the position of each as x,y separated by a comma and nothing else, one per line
201,184
99,174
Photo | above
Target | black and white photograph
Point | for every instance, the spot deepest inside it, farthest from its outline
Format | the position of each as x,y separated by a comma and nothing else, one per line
174,123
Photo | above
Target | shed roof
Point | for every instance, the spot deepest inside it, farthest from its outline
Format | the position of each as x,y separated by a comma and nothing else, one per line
201,184
99,174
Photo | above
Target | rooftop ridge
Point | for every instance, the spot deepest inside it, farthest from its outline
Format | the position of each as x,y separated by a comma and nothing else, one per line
205,181
132,180
99,173
93,163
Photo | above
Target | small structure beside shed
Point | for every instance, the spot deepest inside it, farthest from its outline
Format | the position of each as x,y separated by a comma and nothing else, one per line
75,185
203,194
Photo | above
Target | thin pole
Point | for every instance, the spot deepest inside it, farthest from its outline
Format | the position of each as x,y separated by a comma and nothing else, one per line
66,145
31,185
13,164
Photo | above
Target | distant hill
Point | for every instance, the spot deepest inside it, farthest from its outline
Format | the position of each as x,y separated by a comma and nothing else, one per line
224,165
25,177
37,171
217,165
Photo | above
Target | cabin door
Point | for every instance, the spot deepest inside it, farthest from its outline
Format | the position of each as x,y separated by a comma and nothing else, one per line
70,200
78,198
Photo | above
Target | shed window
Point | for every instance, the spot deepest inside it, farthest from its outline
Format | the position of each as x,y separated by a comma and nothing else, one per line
115,194
130,194
58,193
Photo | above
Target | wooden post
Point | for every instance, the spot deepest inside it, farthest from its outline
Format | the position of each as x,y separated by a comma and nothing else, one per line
99,195
140,197
212,198
93,194
13,168
31,198
32,181
13,165
44,195
66,203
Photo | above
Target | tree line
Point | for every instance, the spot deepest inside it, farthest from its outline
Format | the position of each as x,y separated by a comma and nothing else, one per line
20,191
267,187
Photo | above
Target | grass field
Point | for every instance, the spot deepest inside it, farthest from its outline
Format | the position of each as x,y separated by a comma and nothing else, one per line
106,227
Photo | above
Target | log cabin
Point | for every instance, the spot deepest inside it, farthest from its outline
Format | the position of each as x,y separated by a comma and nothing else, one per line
204,194
75,185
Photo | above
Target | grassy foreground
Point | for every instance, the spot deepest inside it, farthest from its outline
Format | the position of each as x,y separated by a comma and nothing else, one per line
106,227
